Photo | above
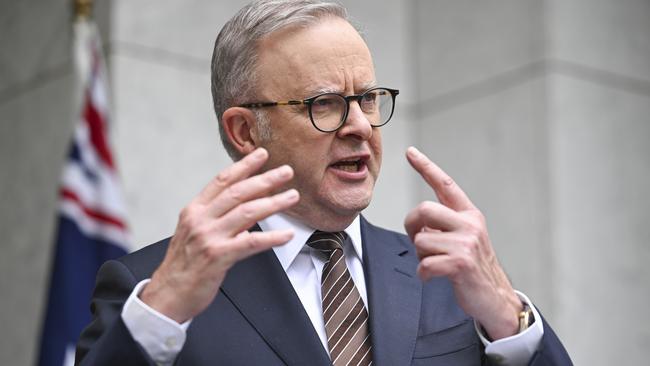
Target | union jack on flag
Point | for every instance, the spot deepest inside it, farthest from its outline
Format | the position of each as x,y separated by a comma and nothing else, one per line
91,224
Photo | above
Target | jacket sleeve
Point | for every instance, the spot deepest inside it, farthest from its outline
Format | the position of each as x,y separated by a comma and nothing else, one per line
551,352
106,340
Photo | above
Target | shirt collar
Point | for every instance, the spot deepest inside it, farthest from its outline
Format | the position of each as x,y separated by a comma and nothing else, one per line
288,252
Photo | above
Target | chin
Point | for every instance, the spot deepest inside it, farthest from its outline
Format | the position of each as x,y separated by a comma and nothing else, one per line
350,204
334,208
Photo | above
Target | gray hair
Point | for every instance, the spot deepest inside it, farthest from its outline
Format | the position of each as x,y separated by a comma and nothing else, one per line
234,75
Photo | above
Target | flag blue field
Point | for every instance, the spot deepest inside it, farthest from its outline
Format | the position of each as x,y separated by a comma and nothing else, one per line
91,223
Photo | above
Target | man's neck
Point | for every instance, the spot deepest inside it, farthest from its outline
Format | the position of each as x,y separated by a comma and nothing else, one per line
320,221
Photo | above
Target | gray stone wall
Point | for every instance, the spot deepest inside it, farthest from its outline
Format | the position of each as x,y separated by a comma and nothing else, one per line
36,122
539,109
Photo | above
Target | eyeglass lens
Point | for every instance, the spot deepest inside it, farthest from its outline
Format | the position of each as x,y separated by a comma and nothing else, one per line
328,110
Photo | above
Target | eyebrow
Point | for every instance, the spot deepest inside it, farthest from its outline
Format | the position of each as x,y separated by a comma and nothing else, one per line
367,86
322,90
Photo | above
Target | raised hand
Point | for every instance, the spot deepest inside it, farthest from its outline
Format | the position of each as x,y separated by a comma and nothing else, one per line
211,235
451,240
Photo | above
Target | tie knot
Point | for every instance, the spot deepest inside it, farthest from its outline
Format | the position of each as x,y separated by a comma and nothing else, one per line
327,242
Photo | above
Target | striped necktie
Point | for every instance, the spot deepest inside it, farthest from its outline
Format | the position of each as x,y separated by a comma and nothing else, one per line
345,316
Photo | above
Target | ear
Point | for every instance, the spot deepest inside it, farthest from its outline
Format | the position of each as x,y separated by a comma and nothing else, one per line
239,124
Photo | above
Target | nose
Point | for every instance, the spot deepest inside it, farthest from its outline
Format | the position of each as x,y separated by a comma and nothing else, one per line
356,124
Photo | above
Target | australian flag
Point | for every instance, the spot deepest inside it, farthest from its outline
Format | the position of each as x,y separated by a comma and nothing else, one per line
91,222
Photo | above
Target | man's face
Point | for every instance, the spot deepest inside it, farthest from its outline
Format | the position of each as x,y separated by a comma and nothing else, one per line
335,172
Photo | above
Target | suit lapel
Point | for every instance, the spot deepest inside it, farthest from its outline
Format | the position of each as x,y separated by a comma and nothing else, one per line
394,295
260,289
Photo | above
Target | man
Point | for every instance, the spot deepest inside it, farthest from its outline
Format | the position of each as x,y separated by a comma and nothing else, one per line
272,263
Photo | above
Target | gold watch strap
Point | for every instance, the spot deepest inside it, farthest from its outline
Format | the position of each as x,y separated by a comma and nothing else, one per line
526,318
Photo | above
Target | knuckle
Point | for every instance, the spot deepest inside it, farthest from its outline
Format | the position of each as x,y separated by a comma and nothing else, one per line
253,242
187,216
235,193
447,181
471,243
185,212
426,265
420,240
266,182
197,233
213,252
474,228
247,212
223,178
459,263
417,240
464,262
424,207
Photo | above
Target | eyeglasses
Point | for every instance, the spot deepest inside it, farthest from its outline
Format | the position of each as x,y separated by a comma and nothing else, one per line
328,111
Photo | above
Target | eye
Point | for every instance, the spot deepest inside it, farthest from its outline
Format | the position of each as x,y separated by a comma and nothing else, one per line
326,103
369,100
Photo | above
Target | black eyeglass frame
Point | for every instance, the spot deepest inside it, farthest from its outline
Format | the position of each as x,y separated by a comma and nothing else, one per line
309,102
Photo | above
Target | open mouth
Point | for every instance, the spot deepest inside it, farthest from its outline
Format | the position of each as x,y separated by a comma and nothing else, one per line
353,165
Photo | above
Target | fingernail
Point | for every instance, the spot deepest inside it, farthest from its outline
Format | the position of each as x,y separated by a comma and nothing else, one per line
414,150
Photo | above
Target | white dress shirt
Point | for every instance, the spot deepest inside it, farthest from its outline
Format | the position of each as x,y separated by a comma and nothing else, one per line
163,338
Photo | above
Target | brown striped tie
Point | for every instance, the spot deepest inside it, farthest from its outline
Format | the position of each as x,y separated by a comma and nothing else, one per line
345,316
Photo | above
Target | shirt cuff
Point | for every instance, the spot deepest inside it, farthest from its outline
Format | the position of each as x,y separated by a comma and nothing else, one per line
519,348
161,337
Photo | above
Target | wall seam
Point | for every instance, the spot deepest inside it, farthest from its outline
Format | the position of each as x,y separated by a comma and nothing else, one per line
159,56
38,81
525,73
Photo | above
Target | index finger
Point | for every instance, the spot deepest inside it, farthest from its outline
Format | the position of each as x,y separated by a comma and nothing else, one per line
241,169
447,191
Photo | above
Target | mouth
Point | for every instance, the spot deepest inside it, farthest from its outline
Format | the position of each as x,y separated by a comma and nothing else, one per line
351,165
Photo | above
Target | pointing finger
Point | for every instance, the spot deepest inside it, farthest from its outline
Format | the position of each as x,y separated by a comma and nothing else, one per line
447,191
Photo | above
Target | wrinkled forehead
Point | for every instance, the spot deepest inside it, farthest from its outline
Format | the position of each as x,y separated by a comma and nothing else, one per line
329,55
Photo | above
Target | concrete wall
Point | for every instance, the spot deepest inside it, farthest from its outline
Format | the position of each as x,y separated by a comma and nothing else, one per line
482,117
36,121
538,109
599,129
541,111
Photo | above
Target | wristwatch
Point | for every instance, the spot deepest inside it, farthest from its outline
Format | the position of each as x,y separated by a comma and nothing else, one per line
526,318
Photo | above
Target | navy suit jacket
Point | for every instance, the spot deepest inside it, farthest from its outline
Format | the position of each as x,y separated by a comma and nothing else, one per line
257,318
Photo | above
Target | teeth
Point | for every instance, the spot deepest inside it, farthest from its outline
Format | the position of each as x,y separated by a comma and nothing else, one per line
348,168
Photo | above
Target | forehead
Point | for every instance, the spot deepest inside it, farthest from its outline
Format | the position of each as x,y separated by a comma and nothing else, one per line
301,61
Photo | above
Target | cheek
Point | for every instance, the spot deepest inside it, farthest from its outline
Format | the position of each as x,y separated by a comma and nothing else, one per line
307,155
375,145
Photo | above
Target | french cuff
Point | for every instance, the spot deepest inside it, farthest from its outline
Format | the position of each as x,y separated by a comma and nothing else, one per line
161,337
517,349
